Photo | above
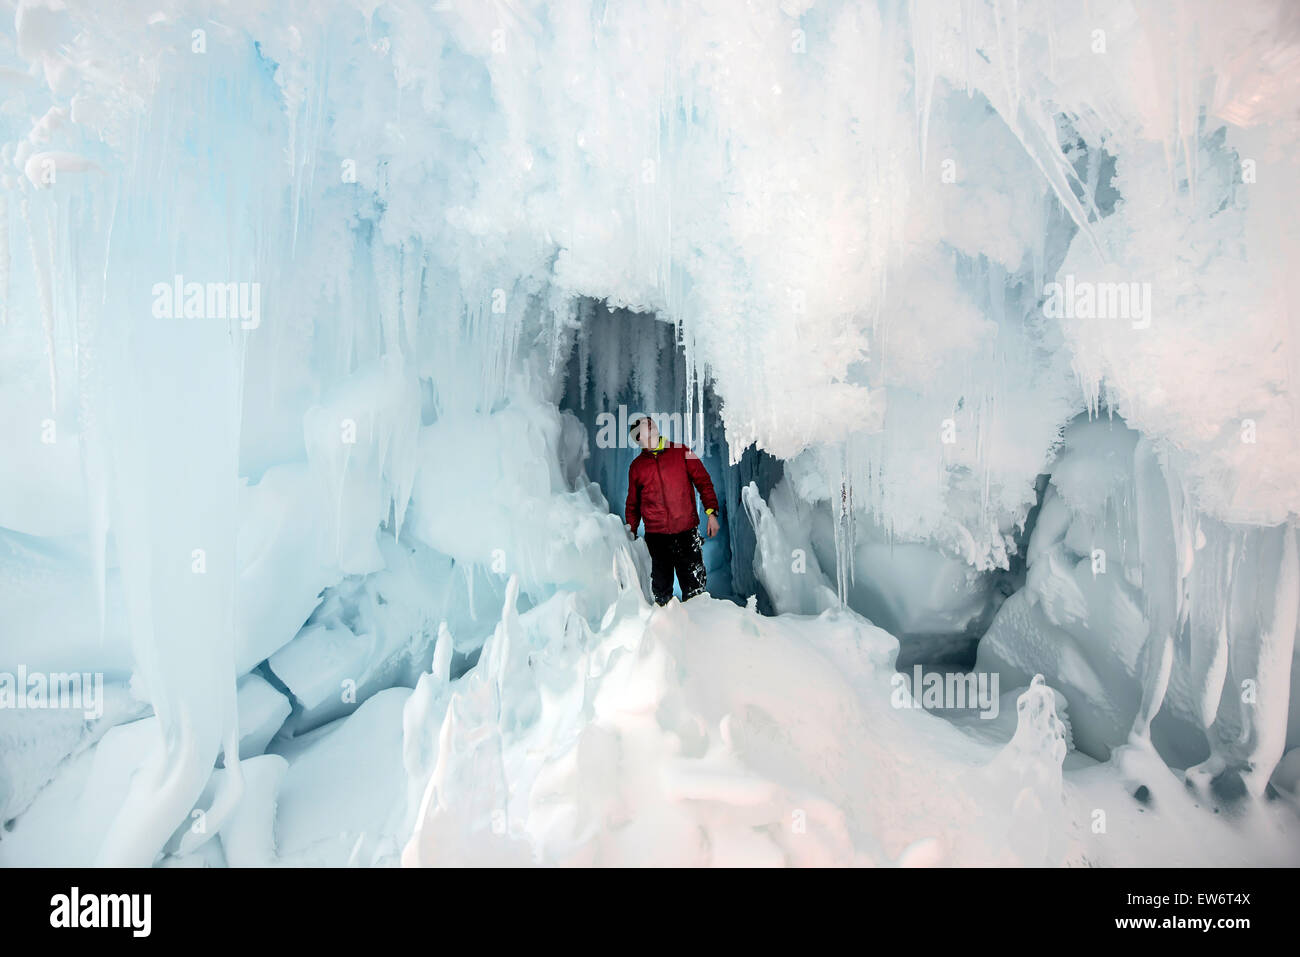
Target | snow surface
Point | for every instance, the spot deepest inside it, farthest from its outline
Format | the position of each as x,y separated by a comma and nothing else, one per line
343,548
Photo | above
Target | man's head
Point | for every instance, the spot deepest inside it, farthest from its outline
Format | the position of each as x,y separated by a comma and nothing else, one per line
644,432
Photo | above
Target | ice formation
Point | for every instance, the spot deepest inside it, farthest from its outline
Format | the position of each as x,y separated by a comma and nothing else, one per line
980,312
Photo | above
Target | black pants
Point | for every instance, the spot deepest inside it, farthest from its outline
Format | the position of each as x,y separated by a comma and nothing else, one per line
675,552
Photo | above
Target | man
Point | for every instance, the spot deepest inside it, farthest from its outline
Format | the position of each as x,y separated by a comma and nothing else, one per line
661,486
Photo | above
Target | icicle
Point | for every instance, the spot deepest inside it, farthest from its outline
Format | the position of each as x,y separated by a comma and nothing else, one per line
968,49
844,528
1161,542
1037,134
46,296
1051,42
90,426
1013,95
1208,661
1187,103
585,315
923,63
1015,55
4,259
852,531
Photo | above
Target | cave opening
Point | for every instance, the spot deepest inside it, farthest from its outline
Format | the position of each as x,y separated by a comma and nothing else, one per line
626,363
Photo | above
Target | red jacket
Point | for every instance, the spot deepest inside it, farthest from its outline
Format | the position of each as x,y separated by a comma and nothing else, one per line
661,489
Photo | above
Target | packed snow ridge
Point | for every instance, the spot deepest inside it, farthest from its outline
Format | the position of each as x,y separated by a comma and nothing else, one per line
314,316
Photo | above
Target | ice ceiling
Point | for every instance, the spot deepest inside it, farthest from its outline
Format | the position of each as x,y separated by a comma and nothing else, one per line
906,244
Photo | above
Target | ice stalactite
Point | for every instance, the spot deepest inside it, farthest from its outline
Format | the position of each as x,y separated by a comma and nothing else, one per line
1243,593
583,311
4,259
165,350
1161,542
1036,129
1273,607
993,30
1008,42
1170,631
172,467
922,15
178,574
1211,592
1250,626
91,437
41,266
362,443
845,527
1180,82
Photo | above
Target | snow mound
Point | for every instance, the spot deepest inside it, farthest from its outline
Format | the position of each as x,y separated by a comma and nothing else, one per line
704,734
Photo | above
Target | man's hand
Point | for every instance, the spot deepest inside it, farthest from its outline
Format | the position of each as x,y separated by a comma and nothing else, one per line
713,525
630,533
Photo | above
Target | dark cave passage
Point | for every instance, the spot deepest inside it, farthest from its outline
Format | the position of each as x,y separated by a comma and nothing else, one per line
627,363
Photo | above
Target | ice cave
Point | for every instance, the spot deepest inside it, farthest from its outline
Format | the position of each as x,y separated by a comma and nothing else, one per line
326,327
